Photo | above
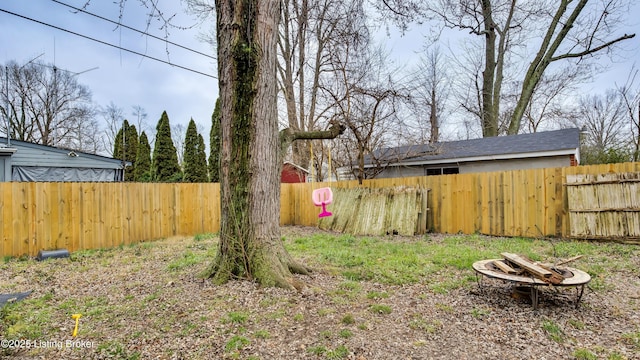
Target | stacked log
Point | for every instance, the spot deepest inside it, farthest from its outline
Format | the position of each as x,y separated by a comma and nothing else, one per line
544,272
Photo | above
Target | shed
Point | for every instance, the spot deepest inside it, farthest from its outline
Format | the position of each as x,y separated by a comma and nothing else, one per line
292,173
25,161
557,148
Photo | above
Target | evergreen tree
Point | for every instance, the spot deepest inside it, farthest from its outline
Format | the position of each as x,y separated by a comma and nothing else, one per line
165,166
143,160
195,159
214,145
131,151
125,148
117,145
202,158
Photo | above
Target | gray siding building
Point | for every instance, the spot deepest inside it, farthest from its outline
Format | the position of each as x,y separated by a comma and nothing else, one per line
501,153
25,161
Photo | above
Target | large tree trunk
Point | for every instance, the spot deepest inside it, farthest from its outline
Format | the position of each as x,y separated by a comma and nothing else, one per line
489,100
251,147
433,117
250,245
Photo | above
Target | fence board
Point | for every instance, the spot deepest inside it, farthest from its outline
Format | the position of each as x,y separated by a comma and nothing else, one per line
520,202
21,219
6,207
508,187
536,197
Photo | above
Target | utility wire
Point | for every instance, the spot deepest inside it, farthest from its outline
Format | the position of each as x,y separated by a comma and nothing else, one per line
108,44
133,29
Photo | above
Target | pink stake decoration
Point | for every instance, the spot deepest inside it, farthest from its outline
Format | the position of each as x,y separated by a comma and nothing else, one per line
322,197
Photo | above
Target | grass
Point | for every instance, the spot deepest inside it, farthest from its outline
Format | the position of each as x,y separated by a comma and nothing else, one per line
348,319
317,350
409,262
429,326
340,352
262,334
479,313
186,260
577,324
377,295
236,317
632,338
397,263
442,265
584,354
553,330
205,236
236,342
20,324
380,309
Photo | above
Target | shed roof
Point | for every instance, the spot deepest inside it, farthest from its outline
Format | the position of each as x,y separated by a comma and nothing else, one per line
296,166
546,143
30,154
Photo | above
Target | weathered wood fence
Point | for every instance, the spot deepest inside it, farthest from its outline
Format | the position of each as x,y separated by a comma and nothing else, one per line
605,206
36,216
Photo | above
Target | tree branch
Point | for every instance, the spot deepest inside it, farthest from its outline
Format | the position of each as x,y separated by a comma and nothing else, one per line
288,135
594,50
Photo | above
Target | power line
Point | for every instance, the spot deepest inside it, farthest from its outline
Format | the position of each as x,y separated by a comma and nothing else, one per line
133,29
108,44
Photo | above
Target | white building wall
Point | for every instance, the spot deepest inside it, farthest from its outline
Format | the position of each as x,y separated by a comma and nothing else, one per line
517,164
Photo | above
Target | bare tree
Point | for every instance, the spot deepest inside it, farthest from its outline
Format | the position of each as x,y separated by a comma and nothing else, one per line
548,104
603,117
631,99
365,97
83,133
429,94
562,30
113,118
401,12
178,134
307,29
45,103
581,38
140,115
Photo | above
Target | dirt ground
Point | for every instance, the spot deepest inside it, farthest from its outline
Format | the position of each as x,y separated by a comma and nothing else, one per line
134,308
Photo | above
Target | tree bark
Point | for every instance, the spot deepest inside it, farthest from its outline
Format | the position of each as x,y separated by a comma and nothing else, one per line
433,117
251,148
489,101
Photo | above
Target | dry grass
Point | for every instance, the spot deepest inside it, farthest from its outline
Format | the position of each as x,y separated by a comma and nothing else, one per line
147,301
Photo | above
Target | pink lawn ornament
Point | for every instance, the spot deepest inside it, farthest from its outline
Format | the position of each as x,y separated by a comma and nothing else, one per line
322,197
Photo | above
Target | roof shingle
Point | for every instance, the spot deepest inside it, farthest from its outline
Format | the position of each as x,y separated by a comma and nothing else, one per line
546,141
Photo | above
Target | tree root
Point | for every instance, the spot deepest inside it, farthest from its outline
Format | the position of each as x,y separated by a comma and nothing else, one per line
267,268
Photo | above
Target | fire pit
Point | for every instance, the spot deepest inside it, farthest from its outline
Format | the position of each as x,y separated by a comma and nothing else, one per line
525,278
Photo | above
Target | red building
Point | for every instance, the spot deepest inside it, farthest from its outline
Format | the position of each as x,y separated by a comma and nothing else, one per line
292,173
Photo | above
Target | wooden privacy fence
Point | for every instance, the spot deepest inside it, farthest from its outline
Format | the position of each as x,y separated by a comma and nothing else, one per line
74,216
605,206
37,216
527,203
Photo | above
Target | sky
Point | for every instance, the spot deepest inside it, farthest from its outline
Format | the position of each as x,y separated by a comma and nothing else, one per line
113,75
406,48
127,80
